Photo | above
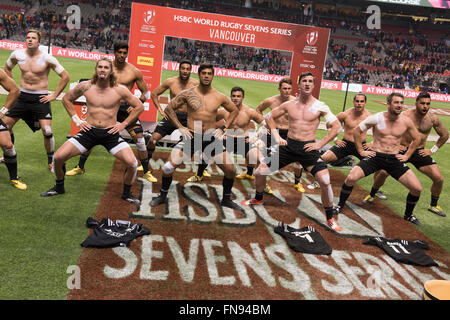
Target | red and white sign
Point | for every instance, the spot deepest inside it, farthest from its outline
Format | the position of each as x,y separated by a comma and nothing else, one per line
150,24
364,88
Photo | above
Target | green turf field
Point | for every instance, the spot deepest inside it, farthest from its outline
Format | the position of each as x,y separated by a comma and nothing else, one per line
41,237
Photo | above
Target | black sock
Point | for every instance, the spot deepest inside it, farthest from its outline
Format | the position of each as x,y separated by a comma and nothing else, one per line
82,160
50,157
227,185
201,167
329,212
165,185
60,185
13,138
411,202
345,193
373,191
11,165
126,189
434,201
296,179
144,163
259,195
250,171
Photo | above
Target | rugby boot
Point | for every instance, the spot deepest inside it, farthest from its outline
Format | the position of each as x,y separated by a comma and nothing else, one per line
131,199
314,185
413,220
75,171
230,204
437,210
268,189
245,176
16,183
156,201
252,201
206,174
380,195
149,177
299,187
333,225
194,179
53,192
368,199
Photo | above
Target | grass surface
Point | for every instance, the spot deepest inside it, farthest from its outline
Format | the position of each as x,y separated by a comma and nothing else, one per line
41,237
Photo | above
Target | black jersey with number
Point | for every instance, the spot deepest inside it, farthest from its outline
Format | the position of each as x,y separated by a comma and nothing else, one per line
108,233
305,240
409,252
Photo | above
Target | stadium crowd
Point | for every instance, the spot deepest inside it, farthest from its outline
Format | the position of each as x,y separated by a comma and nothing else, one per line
397,56
228,56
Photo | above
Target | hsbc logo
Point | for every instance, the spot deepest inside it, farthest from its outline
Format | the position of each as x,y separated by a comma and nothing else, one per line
149,16
311,38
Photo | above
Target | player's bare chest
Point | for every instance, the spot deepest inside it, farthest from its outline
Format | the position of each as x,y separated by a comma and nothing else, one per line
423,125
304,113
125,78
105,98
35,65
351,122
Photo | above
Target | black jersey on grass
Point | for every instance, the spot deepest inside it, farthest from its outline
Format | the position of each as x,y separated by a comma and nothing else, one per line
408,252
108,233
305,240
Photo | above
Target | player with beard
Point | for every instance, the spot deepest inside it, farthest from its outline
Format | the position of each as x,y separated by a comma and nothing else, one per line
34,100
424,121
103,96
127,75
202,102
388,127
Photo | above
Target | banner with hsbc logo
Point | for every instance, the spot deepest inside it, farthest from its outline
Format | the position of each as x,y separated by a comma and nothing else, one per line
150,25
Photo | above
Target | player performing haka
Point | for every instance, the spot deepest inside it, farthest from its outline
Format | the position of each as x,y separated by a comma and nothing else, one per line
203,102
388,129
34,100
103,96
175,85
304,115
9,153
424,121
237,139
127,75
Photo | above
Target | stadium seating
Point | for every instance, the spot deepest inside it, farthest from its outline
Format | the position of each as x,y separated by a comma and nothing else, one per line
402,55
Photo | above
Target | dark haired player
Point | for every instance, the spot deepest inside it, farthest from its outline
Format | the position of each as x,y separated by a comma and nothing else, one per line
424,121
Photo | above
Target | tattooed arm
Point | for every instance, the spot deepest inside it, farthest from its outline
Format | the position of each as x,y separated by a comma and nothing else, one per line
69,98
185,97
